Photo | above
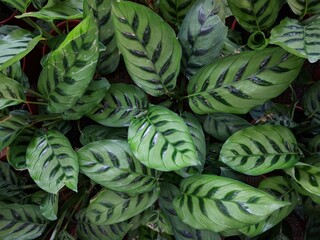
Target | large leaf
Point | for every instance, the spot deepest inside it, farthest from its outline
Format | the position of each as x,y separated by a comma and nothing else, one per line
21,222
303,7
52,162
11,92
49,206
297,38
15,43
255,15
110,207
162,140
280,188
69,69
109,58
111,164
260,149
10,184
121,103
238,83
202,35
149,46
310,102
218,203
20,5
222,125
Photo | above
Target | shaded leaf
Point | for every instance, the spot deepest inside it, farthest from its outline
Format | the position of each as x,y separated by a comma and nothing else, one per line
14,71
20,5
49,206
157,221
11,92
310,102
10,184
64,235
312,229
302,7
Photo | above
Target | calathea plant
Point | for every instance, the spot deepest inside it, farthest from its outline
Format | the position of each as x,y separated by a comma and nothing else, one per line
213,102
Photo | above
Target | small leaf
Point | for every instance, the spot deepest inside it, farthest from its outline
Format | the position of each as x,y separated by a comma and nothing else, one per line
260,149
52,162
310,102
304,7
49,206
218,203
10,184
162,140
11,92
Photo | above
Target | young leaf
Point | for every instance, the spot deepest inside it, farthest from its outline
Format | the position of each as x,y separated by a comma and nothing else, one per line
10,184
238,83
52,163
111,164
162,140
11,92
20,5
109,207
149,47
218,203
310,102
49,206
298,39
69,69
21,222
121,103
304,7
202,35
260,149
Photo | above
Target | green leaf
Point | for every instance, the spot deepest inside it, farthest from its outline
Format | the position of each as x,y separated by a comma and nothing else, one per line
303,191
15,43
64,235
307,176
69,69
149,47
257,40
312,228
218,203
111,164
61,10
314,145
21,222
162,140
280,187
11,92
49,206
157,221
260,149
52,163
109,58
95,92
304,7
38,4
174,11
255,15
202,35
297,38
238,83
222,125
120,105
109,207
10,184
20,5
310,102
15,72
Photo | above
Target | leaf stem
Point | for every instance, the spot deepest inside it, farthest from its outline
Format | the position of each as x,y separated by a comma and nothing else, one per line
54,27
36,103
31,186
34,93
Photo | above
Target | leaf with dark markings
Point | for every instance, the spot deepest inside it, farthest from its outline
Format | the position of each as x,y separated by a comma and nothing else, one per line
11,92
14,71
310,101
91,133
49,206
10,184
157,221
304,7
64,235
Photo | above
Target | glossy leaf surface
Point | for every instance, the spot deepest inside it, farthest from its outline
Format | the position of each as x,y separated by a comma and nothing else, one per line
11,92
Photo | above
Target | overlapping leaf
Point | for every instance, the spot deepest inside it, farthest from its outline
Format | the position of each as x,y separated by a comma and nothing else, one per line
52,162
302,7
260,149
162,140
218,203
109,207
121,103
111,164
69,69
49,206
297,38
310,102
20,5
149,46
10,184
157,221
202,35
15,72
238,83
11,92
255,15
64,235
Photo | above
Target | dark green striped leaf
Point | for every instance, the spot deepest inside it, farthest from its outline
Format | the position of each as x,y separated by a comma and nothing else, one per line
11,92
109,58
121,103
307,176
297,38
202,35
149,47
222,125
38,4
15,44
255,15
162,140
20,5
52,162
218,203
238,83
49,206
69,69
10,184
109,207
281,188
21,222
260,149
310,101
111,164
95,92
64,235
14,71
303,7
157,221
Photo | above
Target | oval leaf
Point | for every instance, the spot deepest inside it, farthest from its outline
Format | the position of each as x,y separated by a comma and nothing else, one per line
11,92
238,83
149,47
260,149
49,206
304,7
218,203
161,140
52,163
